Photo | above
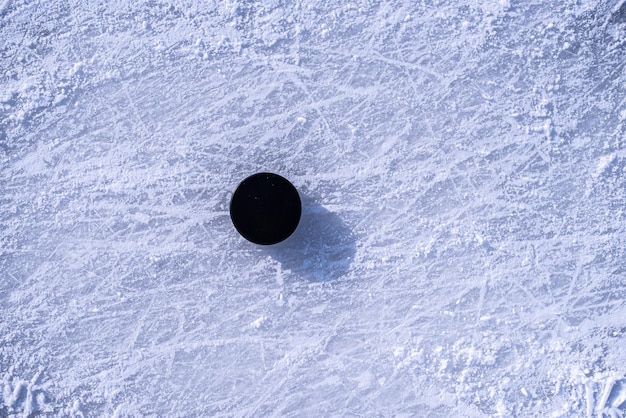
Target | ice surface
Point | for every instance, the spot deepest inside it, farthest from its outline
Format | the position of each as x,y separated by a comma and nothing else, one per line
462,250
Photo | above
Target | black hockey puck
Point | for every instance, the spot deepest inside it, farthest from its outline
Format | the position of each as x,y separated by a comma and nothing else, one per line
265,208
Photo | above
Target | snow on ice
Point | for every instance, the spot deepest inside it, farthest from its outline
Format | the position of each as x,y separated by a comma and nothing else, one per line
462,250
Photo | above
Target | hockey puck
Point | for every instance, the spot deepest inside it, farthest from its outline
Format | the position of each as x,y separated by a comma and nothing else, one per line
265,208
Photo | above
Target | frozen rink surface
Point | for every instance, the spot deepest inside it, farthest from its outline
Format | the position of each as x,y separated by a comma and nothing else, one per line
462,166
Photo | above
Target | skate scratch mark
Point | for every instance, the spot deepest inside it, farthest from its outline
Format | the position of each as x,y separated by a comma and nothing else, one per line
481,299
612,75
570,289
605,398
615,10
135,110
4,6
617,397
298,82
409,65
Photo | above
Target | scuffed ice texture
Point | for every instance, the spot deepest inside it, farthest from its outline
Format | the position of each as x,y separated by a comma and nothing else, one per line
463,246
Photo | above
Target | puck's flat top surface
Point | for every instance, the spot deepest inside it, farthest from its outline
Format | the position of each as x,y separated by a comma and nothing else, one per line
265,208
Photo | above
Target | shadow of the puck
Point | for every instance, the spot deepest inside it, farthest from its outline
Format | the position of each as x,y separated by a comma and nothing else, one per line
321,249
